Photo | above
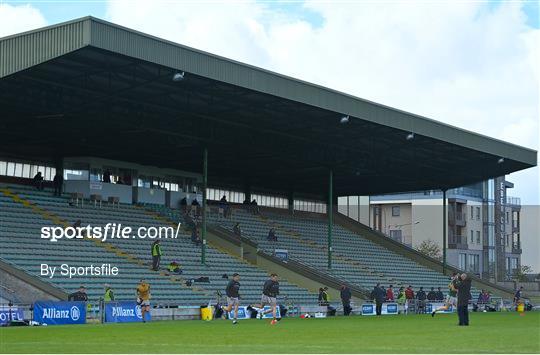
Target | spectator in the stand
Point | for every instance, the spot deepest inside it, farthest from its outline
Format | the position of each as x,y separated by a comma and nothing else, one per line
174,267
79,295
481,296
195,207
183,205
224,207
320,298
195,236
107,176
432,295
272,235
109,294
409,293
58,180
439,295
401,296
236,230
421,298
254,207
346,295
378,295
38,181
156,255
390,294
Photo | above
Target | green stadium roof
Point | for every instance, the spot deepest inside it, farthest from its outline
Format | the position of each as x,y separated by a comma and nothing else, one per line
88,87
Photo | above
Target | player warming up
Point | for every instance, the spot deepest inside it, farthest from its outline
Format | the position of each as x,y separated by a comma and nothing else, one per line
451,299
143,298
269,297
233,296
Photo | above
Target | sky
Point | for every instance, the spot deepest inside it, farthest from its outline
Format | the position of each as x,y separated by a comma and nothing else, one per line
472,64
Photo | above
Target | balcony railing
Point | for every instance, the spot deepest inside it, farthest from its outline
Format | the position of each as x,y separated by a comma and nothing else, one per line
513,201
457,242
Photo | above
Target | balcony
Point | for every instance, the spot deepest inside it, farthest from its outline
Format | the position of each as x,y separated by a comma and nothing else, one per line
457,218
516,248
457,242
513,201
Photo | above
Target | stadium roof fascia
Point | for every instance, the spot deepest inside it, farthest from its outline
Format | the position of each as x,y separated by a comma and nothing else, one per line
21,51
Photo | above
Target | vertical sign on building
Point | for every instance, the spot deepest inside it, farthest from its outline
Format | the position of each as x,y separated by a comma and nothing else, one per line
500,203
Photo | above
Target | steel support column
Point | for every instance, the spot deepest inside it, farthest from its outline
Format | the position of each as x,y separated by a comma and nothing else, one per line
330,213
445,225
204,187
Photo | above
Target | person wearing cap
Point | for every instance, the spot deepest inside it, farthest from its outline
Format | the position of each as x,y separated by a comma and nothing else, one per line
79,295
143,298
109,294
233,296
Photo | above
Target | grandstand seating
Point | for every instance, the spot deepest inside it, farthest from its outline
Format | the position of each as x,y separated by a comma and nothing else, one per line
22,247
356,259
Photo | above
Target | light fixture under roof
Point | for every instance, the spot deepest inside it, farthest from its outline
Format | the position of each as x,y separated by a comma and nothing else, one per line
500,161
344,119
410,136
179,76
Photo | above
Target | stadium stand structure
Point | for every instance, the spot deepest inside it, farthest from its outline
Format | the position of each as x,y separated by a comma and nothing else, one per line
26,210
358,261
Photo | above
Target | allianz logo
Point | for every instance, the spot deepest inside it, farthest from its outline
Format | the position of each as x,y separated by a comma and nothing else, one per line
119,311
53,313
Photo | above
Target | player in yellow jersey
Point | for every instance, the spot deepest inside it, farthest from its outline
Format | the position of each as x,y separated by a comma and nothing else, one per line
451,298
143,298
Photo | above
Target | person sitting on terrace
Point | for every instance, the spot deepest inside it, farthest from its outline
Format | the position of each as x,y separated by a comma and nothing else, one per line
272,235
174,267
236,230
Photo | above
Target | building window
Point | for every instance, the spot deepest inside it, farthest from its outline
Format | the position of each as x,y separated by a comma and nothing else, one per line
478,239
472,237
473,263
396,235
395,211
477,213
463,261
472,213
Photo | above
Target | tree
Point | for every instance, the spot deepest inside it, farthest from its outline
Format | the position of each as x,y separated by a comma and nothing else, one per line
521,273
430,248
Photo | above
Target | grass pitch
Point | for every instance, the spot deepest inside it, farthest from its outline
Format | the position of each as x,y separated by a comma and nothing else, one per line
488,333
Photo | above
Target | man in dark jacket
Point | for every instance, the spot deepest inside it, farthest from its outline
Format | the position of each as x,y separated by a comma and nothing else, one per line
233,296
421,301
57,182
463,286
79,295
432,295
439,296
378,295
346,295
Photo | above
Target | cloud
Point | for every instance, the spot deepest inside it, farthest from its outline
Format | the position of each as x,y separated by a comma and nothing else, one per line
464,63
19,18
